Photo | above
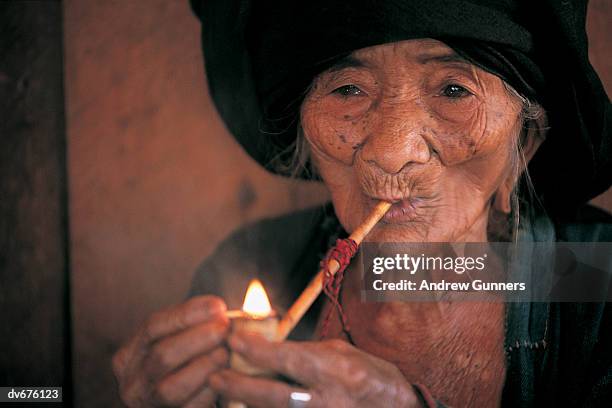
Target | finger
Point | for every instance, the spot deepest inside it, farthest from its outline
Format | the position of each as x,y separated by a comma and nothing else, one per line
306,362
203,399
254,391
172,352
179,387
134,393
196,310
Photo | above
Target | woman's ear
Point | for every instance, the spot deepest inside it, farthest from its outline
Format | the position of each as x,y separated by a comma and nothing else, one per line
501,199
532,136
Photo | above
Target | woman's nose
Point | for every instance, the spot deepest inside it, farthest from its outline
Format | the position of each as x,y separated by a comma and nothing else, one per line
395,144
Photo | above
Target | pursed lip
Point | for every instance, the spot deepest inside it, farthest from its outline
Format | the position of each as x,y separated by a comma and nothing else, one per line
402,210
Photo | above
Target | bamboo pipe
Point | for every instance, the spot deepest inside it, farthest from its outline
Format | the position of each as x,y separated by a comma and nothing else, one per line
314,288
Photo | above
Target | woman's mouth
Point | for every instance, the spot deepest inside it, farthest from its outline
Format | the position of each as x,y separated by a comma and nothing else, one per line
403,211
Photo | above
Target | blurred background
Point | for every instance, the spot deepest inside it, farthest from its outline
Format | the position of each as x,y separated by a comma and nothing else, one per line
117,178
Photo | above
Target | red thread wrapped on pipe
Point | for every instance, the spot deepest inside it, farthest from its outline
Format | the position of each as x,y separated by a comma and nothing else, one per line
342,252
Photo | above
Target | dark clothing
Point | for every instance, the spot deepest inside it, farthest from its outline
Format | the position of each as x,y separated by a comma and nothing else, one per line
558,354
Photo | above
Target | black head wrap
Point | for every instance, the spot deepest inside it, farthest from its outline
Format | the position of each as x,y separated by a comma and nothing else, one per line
262,55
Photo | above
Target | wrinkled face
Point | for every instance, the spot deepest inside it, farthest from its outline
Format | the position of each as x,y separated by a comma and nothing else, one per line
413,123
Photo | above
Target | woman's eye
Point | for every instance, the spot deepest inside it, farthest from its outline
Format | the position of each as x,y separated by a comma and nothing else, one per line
348,90
455,91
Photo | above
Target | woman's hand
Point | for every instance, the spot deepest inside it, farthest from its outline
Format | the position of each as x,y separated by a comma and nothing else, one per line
169,360
335,373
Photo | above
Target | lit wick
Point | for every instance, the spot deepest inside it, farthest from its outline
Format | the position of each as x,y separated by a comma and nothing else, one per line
258,317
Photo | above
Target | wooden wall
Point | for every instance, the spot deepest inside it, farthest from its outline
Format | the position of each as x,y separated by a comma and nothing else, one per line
34,321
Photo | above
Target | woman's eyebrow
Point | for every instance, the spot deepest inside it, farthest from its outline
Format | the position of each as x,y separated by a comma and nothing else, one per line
448,57
347,62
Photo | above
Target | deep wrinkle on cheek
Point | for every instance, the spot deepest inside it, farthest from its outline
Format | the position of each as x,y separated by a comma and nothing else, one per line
338,144
452,141
484,131
460,131
456,143
488,170
482,113
336,139
499,115
481,126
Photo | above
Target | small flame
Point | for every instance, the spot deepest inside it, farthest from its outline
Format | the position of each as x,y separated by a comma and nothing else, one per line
256,302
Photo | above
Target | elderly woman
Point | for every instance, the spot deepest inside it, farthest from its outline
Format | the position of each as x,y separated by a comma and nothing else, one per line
434,106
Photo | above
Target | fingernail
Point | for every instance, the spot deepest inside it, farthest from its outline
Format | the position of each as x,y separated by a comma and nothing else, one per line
236,342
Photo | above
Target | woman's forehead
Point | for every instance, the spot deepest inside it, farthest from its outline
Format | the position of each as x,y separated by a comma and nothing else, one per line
418,50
